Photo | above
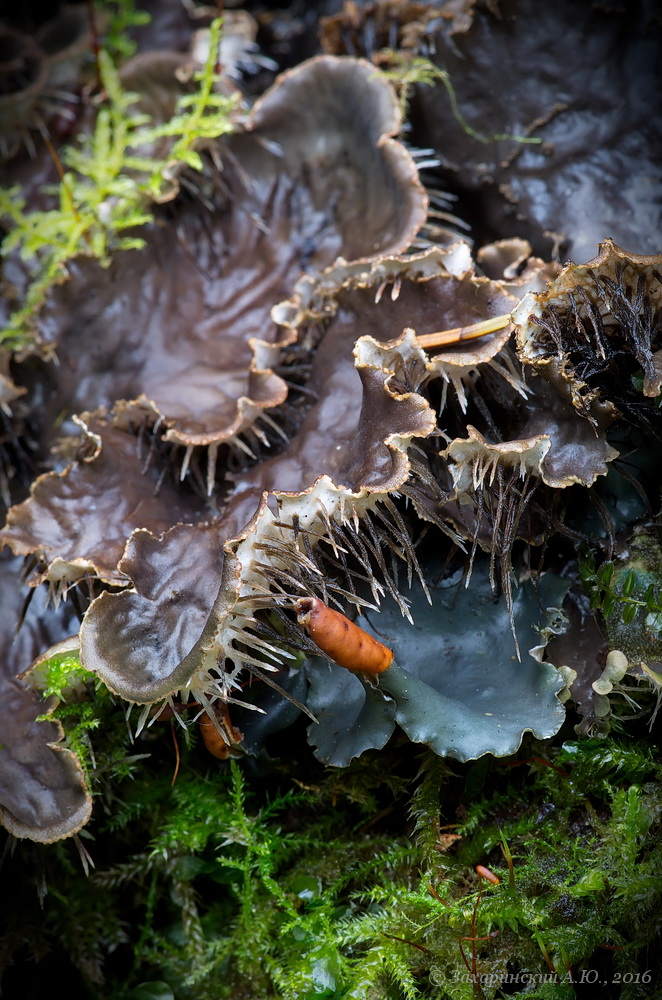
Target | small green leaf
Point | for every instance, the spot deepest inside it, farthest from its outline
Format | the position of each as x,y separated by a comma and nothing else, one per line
592,881
306,887
651,599
595,600
608,605
192,159
629,613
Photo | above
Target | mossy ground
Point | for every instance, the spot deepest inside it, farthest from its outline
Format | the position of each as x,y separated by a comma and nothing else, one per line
279,878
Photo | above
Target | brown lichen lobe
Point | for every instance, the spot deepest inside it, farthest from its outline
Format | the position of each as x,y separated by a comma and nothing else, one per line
179,334
188,621
583,79
76,523
43,792
43,795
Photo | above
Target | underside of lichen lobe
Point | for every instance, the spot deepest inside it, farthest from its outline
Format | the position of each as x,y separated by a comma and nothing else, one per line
138,637
594,329
43,793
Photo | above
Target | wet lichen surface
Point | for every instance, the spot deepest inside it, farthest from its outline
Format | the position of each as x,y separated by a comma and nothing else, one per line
330,384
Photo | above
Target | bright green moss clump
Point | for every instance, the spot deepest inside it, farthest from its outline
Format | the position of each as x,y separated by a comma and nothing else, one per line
341,884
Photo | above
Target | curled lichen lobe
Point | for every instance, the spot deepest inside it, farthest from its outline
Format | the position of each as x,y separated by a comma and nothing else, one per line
340,639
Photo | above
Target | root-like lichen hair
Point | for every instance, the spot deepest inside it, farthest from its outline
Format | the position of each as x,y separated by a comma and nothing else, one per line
345,548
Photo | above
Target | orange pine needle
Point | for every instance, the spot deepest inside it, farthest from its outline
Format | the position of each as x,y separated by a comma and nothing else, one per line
219,736
448,338
340,639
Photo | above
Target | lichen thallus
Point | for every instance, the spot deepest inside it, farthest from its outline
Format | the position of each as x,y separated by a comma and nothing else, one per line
352,552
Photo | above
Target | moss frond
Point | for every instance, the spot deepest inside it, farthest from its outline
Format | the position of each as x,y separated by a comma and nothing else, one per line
105,192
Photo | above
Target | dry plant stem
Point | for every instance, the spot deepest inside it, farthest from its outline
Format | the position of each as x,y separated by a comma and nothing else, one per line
94,34
446,338
177,756
473,967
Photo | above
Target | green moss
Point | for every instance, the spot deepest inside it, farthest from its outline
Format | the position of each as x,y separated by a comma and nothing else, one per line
270,889
407,70
61,676
105,192
122,17
628,595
